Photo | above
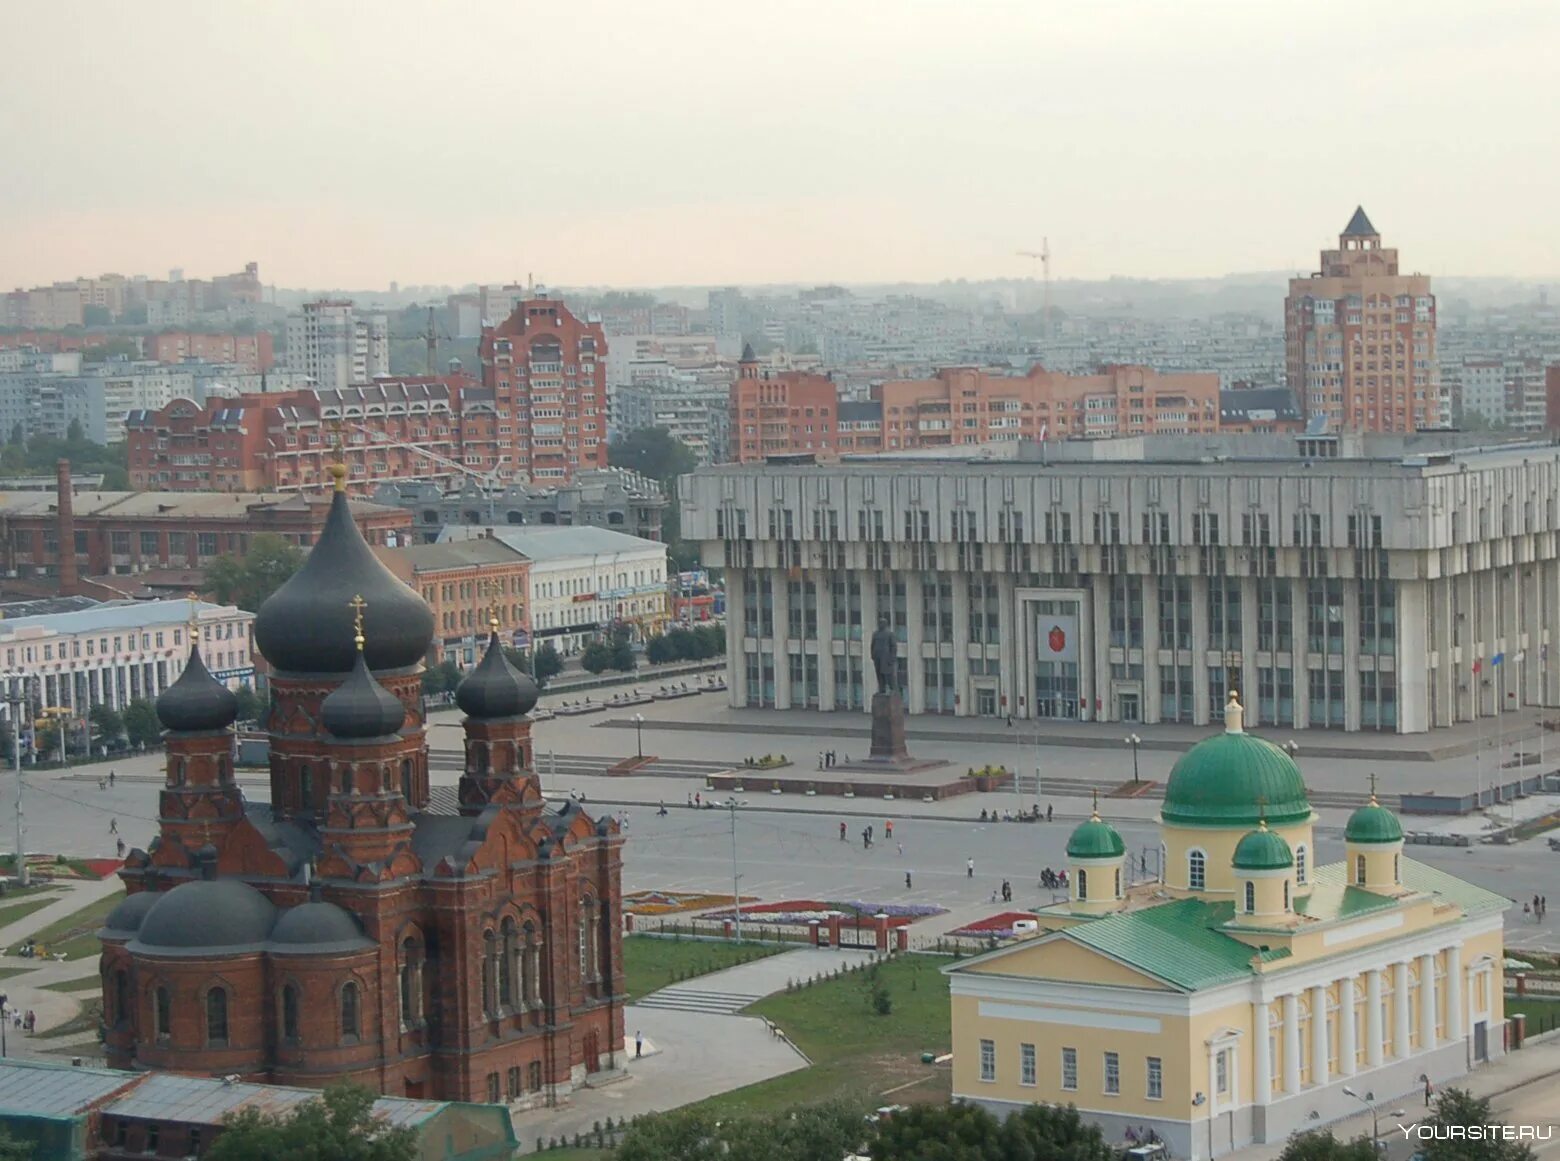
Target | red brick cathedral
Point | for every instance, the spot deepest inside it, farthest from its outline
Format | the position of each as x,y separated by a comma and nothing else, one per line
454,944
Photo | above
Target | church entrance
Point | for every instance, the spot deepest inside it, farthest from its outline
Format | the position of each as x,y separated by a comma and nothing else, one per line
592,1052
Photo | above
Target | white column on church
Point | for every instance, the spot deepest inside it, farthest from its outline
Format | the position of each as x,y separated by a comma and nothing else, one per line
1319,1034
1373,1030
1400,1044
1346,1045
1426,1002
1456,993
1291,1044
1264,1052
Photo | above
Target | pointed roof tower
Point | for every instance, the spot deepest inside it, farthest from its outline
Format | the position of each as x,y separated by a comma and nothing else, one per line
1359,226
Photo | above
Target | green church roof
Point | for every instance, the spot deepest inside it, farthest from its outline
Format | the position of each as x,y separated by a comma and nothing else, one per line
1262,850
1373,823
1235,779
1095,839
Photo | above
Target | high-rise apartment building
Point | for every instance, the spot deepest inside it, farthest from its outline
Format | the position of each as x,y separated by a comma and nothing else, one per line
1359,338
547,372
337,347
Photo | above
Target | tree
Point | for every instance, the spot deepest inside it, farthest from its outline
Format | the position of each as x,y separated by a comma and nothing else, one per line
969,1133
819,1133
249,704
340,1123
653,452
248,581
547,662
106,721
13,1149
1456,1107
141,725
688,1135
441,678
1323,1146
596,657
74,432
660,650
113,348
624,659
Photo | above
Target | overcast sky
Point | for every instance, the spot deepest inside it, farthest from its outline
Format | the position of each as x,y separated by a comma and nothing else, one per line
632,143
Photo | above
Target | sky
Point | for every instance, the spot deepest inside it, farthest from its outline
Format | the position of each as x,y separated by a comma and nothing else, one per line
625,143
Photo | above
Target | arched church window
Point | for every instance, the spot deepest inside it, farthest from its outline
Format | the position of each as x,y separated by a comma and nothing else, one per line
290,1006
1083,884
162,1014
350,1023
1251,896
217,1018
1197,870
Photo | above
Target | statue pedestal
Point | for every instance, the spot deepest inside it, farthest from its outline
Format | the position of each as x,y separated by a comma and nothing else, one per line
888,728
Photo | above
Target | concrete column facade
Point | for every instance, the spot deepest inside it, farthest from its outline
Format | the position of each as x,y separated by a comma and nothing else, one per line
1301,652
1291,1044
1412,657
1009,635
1248,642
781,598
1153,706
1374,1033
1262,1059
915,640
1319,1035
1456,994
1426,1002
1400,1038
1483,614
1201,710
963,691
1098,690
863,648
1347,1049
825,644
1351,654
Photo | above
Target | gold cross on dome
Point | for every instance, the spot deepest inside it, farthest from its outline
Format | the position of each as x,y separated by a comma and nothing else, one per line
193,623
1262,810
1373,786
358,605
1096,810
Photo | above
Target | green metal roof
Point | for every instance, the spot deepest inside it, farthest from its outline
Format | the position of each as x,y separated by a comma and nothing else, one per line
1416,876
1235,779
1333,901
1373,823
1175,942
1262,850
1095,839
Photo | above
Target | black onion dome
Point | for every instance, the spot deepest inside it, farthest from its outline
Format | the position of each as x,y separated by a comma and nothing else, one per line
495,688
197,701
362,708
306,625
316,927
206,916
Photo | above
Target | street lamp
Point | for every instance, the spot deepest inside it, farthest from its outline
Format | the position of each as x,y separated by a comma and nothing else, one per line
731,804
639,735
1369,1101
1134,741
16,696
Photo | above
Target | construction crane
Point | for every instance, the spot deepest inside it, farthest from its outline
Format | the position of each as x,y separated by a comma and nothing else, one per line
1044,255
431,338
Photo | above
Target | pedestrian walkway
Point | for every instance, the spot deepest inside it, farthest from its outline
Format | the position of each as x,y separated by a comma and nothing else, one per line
76,894
728,991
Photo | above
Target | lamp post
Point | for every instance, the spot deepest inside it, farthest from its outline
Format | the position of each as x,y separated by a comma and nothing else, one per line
1134,741
1369,1101
639,735
16,696
731,804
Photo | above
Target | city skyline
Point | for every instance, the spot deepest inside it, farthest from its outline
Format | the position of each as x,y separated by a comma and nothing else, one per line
866,143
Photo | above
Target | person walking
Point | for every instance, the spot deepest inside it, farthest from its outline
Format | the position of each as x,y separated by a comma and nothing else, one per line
113,826
110,777
907,881
888,829
866,837
1429,1090
119,848
639,1044
1048,809
969,868
899,849
842,831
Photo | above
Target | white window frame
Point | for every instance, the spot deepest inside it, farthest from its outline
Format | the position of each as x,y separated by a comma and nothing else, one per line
1155,1072
988,1061
1197,869
1069,1070
1027,1070
1112,1074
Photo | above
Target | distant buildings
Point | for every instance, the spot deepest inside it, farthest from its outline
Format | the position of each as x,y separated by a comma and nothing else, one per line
335,346
467,583
1360,338
251,352
790,412
1503,393
547,416
118,299
612,498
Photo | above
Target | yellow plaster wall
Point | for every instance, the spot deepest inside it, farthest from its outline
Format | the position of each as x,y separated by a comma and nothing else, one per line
1061,959
1171,1044
1219,843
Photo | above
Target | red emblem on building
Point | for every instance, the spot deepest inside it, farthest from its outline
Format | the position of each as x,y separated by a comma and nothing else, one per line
1057,639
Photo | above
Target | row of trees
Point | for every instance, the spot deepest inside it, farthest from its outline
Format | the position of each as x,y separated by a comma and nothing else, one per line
446,676
697,644
22,456
616,652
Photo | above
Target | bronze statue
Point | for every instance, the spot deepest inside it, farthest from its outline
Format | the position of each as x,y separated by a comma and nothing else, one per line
885,652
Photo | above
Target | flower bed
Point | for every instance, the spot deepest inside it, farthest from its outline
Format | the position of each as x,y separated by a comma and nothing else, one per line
996,927
800,912
672,902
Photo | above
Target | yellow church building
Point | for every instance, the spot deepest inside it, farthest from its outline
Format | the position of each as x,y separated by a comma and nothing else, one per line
1249,992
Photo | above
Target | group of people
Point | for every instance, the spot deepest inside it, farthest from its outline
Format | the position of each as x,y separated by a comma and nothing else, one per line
22,1022
826,759
1053,880
1018,816
1538,908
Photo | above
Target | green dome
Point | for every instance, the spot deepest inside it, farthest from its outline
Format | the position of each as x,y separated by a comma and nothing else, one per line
1373,823
1095,839
1262,850
1235,779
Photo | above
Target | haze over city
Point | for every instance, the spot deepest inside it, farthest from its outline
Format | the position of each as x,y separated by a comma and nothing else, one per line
616,144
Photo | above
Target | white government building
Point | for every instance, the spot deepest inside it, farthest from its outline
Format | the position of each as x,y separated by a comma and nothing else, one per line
121,651
1388,582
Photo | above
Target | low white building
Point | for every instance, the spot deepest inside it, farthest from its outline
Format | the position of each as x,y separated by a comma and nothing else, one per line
585,580
120,651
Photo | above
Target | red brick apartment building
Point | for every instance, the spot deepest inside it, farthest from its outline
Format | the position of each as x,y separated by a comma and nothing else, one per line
547,372
795,412
251,352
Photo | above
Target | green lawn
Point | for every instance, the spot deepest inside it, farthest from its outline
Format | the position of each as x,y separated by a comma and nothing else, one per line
857,1054
651,962
85,984
1542,1014
21,907
76,934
